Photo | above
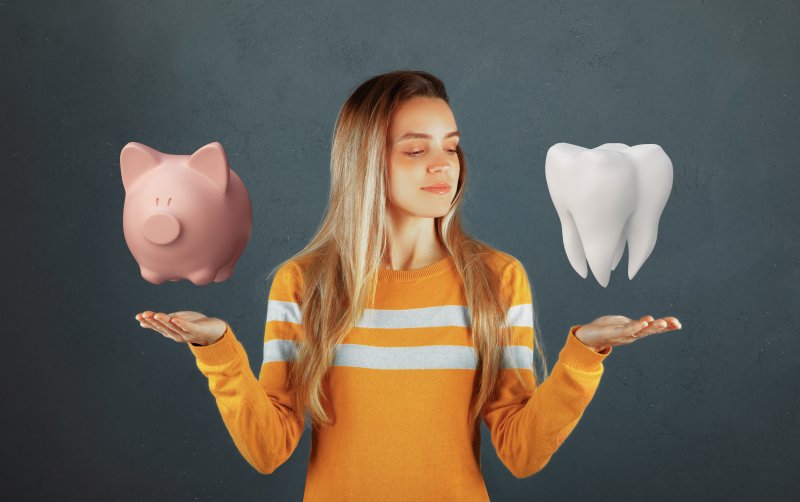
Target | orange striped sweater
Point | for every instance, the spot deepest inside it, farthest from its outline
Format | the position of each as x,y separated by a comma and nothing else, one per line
399,391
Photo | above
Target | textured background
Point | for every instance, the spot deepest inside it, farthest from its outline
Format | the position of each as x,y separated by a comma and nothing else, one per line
97,405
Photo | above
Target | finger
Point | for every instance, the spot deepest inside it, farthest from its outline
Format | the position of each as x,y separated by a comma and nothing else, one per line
159,326
636,329
180,325
168,327
144,321
650,326
667,324
148,323
657,326
177,323
171,321
141,320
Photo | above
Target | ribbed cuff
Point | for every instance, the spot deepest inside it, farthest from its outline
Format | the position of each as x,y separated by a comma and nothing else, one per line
218,353
579,355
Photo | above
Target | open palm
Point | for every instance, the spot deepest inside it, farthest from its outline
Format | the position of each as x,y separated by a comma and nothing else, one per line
614,330
184,326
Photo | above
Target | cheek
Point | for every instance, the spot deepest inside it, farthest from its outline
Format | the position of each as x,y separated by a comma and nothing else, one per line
403,182
402,174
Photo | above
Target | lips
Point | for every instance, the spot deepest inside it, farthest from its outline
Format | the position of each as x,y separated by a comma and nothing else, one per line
605,197
438,185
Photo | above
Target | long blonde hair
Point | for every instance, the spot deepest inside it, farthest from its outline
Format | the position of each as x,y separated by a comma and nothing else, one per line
343,258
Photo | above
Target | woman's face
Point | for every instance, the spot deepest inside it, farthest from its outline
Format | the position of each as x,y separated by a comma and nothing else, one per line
421,152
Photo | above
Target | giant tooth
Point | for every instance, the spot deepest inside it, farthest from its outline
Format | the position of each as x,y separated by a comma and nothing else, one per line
605,197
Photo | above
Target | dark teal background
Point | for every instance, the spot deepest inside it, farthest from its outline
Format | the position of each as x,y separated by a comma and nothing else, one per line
98,408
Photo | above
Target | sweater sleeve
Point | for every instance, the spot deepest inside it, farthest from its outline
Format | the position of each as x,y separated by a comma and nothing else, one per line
259,414
528,426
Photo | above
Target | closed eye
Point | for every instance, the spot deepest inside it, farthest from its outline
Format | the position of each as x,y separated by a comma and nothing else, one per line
416,154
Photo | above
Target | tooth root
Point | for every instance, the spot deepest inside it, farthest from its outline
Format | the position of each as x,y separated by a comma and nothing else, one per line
654,174
620,247
599,248
558,172
572,244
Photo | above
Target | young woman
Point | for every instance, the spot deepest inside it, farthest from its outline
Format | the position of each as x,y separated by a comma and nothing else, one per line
394,331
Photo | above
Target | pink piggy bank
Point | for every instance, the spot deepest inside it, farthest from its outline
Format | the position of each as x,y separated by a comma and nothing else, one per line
185,216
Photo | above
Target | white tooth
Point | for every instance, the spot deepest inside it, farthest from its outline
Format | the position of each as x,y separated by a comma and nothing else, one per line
605,197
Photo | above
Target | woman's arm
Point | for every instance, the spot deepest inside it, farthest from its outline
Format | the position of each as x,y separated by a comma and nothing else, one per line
528,426
258,414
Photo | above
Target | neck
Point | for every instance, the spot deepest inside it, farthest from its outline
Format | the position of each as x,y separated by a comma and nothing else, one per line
412,243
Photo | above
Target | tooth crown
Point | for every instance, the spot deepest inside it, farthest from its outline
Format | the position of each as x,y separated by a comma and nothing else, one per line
605,197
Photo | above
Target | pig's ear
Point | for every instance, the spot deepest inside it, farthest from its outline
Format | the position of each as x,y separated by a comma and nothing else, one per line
135,159
211,162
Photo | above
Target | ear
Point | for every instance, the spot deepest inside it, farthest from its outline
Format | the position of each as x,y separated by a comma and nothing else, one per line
135,159
211,162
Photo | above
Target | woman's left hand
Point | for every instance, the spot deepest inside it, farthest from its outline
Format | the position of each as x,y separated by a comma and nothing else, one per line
614,330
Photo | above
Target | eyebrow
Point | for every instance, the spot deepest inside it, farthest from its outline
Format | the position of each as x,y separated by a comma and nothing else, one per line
413,135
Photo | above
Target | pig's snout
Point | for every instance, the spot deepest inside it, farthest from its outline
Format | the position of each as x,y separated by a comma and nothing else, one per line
161,228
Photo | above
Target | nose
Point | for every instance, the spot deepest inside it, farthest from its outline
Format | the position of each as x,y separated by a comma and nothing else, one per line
161,228
441,163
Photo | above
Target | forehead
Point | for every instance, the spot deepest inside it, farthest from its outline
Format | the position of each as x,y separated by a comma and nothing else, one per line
422,114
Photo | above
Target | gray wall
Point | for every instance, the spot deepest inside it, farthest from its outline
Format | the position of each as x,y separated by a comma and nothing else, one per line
99,405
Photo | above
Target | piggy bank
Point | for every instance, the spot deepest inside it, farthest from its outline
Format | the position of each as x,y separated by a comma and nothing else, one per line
185,216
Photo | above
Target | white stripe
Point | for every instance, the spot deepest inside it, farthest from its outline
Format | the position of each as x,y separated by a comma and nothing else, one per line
283,311
420,357
520,315
403,358
279,350
425,317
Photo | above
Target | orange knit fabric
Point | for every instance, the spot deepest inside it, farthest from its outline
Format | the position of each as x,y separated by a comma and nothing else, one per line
400,391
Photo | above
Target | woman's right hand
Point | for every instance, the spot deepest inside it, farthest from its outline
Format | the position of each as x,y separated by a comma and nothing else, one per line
184,326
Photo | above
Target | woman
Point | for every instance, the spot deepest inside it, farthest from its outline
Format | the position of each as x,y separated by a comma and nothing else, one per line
411,330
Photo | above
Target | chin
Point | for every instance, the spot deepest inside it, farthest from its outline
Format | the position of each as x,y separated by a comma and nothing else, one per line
426,209
432,214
